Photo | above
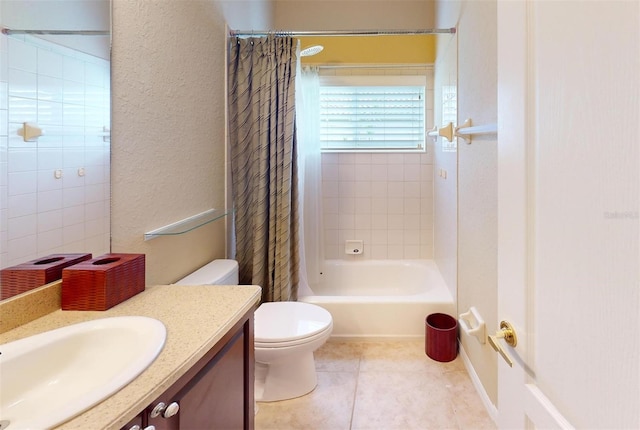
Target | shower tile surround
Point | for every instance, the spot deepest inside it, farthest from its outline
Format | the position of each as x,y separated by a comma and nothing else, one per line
62,91
381,385
384,199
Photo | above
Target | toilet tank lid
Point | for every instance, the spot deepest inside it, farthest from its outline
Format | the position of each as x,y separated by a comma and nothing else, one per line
211,273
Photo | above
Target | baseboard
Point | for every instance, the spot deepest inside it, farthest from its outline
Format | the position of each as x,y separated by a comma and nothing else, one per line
475,379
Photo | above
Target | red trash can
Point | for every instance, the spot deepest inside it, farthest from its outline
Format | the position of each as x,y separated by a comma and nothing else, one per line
441,337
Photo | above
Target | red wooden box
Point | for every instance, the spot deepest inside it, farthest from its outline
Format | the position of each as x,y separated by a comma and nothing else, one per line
27,276
103,282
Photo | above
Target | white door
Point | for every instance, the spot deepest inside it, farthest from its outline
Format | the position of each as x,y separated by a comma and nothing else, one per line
568,76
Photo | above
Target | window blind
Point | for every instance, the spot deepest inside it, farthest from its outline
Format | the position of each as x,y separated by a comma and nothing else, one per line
372,117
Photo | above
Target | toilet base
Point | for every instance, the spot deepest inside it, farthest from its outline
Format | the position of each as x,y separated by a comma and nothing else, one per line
285,378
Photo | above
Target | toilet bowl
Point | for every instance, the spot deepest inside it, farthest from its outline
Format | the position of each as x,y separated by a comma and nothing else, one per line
286,335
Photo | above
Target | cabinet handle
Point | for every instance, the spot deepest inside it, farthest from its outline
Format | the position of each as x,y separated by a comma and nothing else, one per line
135,427
150,428
158,410
167,411
171,410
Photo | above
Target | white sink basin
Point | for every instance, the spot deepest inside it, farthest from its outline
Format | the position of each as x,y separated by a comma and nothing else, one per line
49,378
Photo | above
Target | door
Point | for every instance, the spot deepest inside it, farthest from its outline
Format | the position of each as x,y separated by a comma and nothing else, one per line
568,193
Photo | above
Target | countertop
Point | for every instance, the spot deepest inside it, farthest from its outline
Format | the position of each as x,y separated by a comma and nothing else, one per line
196,318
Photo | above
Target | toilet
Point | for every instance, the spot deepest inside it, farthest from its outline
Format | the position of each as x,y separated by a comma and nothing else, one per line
286,335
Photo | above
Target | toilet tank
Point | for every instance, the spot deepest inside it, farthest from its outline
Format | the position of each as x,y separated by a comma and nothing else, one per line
217,272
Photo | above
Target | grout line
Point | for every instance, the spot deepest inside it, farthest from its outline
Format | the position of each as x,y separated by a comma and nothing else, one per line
355,392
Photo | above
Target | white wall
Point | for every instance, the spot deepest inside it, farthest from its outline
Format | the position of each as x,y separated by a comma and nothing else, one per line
476,177
384,199
445,185
477,182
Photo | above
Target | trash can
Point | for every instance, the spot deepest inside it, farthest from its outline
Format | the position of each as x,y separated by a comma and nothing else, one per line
441,337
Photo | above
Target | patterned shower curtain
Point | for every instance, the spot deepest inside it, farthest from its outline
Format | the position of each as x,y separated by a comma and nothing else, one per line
263,163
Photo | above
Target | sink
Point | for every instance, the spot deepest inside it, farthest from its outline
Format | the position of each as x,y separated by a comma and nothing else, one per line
51,377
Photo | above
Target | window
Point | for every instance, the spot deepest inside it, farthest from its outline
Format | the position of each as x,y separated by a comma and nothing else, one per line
372,113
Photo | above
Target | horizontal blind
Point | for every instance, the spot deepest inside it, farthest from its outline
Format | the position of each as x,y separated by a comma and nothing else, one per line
372,117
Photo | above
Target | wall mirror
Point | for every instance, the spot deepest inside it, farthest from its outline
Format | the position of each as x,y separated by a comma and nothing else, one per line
54,128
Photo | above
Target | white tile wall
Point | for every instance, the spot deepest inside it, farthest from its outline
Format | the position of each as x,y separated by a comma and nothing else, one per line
384,199
67,94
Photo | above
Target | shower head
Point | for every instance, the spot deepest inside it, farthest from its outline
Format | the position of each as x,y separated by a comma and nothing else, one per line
311,50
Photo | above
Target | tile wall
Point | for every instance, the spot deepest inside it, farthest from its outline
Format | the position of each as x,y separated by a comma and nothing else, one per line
384,199
54,191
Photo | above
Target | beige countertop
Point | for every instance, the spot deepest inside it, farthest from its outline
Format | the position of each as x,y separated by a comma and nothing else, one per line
196,318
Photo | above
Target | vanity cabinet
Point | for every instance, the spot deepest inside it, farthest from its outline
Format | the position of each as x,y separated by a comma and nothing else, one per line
134,424
216,393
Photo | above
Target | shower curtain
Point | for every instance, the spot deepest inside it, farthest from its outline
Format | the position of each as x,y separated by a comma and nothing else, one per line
308,131
262,143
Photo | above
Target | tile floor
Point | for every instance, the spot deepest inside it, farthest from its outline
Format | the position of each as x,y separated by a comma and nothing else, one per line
381,386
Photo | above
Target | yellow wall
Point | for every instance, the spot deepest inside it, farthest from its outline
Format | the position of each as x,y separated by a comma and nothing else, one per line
394,49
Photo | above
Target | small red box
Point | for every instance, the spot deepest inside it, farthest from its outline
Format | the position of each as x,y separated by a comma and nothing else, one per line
103,282
36,273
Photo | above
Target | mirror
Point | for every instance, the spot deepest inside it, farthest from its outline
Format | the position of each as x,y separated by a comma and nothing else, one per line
55,187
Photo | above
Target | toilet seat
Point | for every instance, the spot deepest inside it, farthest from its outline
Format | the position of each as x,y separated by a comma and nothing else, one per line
296,342
281,324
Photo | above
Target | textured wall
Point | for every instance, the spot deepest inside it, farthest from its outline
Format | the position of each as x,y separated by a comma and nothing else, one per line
353,14
168,138
247,14
478,182
476,177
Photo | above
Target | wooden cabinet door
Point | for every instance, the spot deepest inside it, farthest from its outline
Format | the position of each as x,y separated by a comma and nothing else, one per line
214,399
217,393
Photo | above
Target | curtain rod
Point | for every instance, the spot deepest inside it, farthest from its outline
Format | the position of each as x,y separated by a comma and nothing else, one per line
372,66
9,31
245,33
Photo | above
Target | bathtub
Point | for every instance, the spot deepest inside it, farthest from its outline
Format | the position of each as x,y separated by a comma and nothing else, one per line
380,299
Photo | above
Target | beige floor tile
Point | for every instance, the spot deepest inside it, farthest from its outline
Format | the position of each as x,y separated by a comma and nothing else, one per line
381,386
328,407
390,400
406,356
467,405
335,356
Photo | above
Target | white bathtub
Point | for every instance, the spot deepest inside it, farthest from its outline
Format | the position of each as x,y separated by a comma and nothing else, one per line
380,299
